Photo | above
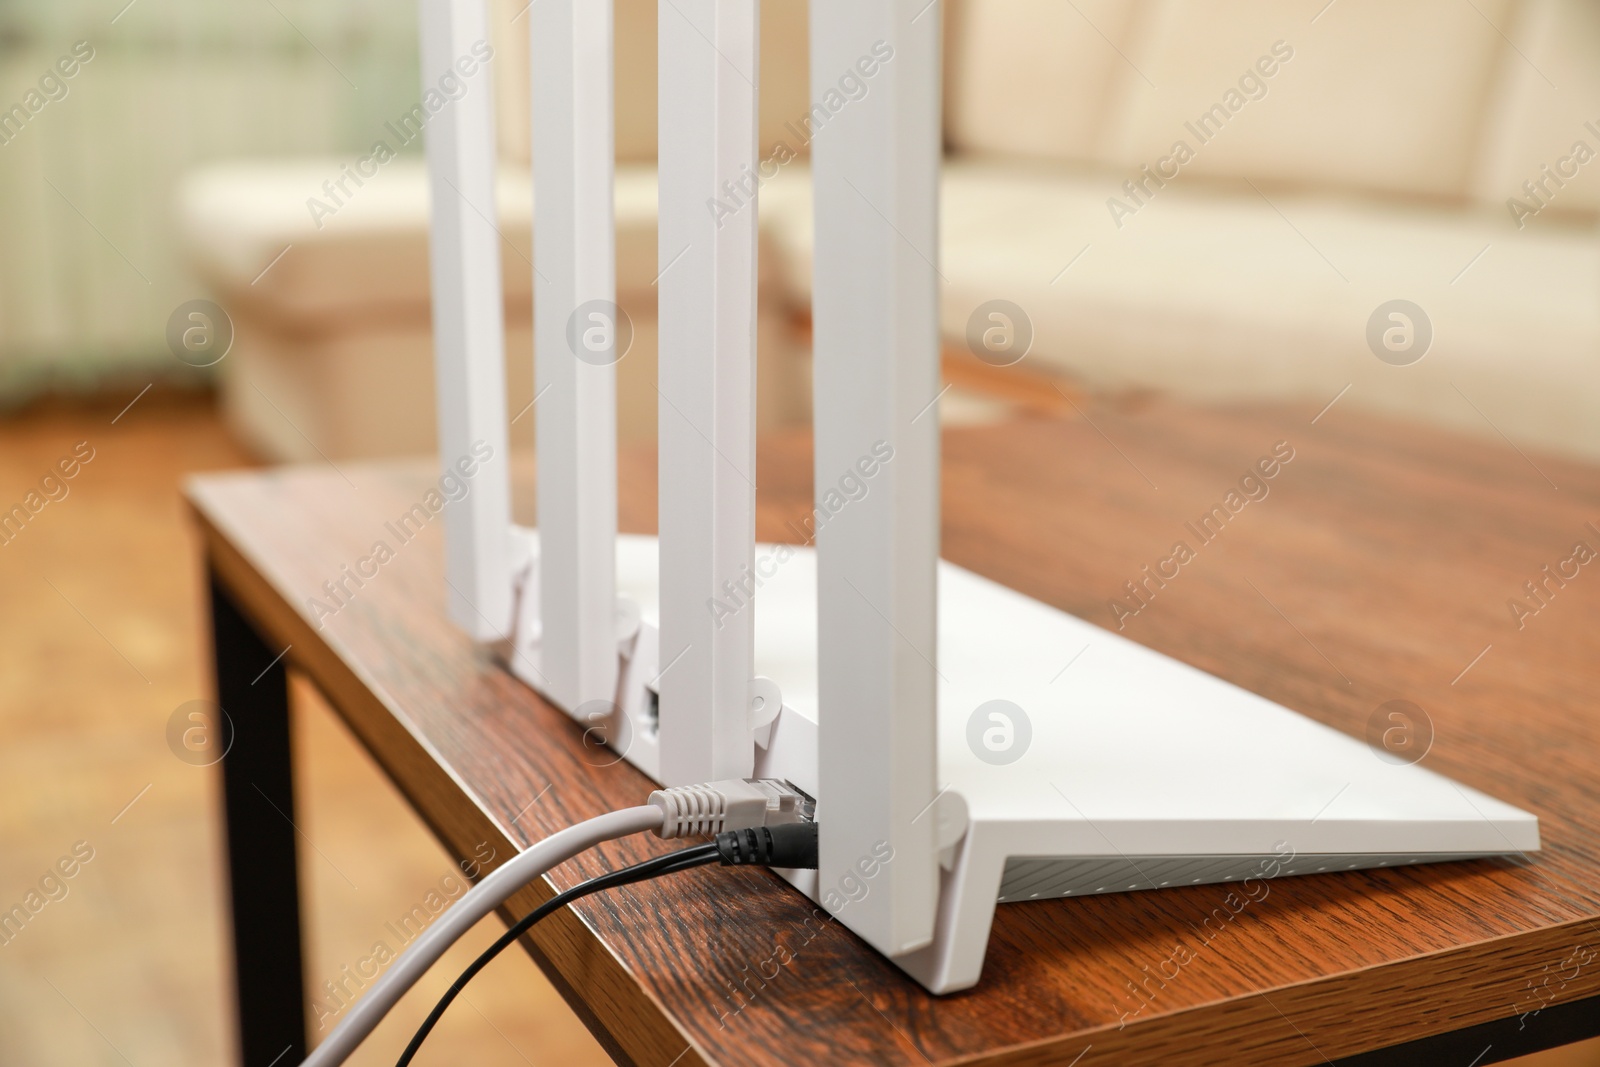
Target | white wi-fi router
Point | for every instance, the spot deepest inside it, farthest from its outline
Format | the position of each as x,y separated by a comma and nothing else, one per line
864,672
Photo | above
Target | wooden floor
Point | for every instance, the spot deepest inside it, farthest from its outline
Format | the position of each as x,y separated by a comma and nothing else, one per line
101,636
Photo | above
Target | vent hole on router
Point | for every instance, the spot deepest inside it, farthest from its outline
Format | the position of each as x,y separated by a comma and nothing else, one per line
652,712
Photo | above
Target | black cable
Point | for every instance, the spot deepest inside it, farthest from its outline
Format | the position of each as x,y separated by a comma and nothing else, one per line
675,861
793,846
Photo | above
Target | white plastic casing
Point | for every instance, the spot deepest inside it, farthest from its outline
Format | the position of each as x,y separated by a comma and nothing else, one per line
575,291
875,311
468,332
708,73
1132,770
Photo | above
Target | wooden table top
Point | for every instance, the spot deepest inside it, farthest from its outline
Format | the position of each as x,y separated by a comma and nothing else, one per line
1378,567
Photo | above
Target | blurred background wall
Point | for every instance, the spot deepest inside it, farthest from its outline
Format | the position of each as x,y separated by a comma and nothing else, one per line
91,262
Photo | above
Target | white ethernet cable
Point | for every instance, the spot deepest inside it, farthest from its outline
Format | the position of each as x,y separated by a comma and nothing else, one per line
494,890
677,812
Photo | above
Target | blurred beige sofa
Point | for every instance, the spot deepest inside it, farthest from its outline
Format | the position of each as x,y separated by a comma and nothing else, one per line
333,344
1335,157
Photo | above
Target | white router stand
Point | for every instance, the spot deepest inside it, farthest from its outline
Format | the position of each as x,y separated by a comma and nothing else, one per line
856,671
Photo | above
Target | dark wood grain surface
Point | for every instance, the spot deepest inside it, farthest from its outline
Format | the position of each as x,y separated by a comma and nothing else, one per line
1378,567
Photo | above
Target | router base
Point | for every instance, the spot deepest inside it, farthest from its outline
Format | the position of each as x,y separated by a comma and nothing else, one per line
1110,767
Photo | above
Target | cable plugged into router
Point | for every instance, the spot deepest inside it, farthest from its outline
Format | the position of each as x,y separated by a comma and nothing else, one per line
734,804
792,845
753,822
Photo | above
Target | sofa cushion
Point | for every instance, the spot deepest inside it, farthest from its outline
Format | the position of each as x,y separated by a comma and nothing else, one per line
1372,95
371,256
1220,296
1547,103
1034,79
1378,95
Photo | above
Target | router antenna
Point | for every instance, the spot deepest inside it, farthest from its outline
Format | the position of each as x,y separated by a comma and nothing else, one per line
468,328
875,167
708,71
576,348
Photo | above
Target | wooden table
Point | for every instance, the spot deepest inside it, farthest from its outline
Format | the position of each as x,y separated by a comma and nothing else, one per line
1379,567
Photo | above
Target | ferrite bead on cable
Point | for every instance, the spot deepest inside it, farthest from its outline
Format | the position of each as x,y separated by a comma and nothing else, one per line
792,846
